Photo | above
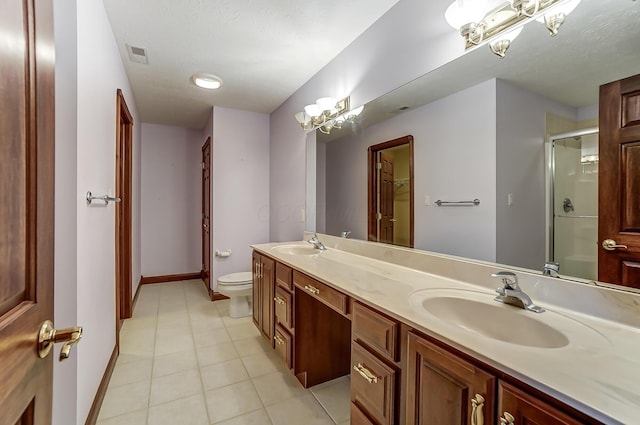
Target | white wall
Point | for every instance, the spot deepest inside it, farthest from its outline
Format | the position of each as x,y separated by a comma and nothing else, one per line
239,187
396,49
446,166
100,73
521,132
65,374
171,200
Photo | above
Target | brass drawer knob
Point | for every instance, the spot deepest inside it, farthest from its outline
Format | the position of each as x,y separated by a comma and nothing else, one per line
312,289
477,403
365,373
279,340
279,300
507,419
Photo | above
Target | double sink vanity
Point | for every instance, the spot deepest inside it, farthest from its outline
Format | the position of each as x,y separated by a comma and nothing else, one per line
426,343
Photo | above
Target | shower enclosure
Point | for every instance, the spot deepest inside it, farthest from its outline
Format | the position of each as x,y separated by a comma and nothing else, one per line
574,203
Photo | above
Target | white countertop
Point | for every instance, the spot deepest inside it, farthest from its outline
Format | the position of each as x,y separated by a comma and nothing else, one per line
597,372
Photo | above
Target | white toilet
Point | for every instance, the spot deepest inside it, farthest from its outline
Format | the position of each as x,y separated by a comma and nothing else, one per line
239,288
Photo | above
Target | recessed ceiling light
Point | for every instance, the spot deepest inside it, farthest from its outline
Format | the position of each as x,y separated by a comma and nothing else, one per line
207,81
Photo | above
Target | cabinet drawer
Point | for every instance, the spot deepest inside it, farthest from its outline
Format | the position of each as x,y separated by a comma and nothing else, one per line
283,276
335,299
375,330
373,385
359,418
284,345
284,307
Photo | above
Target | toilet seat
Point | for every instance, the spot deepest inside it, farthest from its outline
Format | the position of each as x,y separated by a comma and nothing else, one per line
233,279
239,288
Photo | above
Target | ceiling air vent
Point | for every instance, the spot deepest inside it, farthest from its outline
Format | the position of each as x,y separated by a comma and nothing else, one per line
137,54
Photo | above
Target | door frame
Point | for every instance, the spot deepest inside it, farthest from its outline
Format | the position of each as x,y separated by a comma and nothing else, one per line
372,185
123,233
206,274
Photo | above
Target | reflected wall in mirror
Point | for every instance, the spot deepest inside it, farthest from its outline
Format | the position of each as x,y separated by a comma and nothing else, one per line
482,130
390,192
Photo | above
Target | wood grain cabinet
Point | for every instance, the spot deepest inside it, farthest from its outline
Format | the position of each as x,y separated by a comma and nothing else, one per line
263,289
283,302
375,374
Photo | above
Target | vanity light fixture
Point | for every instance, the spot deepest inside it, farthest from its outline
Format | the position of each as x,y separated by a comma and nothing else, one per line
327,114
207,81
499,22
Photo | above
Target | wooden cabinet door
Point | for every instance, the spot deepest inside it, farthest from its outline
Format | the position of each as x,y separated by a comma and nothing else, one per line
527,409
442,386
267,280
257,300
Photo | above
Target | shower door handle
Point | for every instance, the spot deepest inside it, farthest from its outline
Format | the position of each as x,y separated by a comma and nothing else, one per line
611,245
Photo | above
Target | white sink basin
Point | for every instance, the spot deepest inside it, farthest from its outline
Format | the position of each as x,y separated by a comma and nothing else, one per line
477,313
296,249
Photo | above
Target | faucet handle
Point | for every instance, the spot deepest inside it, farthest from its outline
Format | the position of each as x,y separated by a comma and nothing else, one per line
509,279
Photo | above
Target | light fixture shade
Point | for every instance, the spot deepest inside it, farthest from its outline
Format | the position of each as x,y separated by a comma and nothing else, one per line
302,118
564,8
326,103
313,110
462,12
207,81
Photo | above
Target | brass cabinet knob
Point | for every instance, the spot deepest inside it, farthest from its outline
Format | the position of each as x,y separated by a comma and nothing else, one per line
477,416
507,419
366,373
49,336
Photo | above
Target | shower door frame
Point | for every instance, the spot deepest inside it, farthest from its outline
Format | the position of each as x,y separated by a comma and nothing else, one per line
550,180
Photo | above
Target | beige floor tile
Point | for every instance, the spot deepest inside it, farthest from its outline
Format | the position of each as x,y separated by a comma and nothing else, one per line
129,357
173,318
253,345
173,343
277,386
217,353
209,337
138,343
345,423
136,324
262,363
231,401
334,397
202,321
125,399
185,411
257,417
235,321
175,362
245,330
223,374
300,410
172,387
138,417
129,372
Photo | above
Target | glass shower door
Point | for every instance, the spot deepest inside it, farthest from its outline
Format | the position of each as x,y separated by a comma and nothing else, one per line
575,205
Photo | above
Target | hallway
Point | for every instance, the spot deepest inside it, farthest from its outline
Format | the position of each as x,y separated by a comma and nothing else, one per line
184,361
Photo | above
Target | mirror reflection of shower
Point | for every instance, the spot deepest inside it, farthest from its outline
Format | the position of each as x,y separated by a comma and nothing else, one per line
574,232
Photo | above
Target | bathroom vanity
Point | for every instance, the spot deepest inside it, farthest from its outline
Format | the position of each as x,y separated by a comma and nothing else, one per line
425,342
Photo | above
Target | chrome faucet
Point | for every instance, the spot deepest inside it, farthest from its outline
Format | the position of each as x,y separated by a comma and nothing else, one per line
510,293
345,234
316,243
551,269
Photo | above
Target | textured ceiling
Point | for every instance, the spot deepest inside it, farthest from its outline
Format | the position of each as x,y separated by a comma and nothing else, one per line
263,50
599,43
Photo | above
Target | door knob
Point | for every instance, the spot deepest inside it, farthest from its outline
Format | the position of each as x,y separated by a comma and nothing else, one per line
611,245
49,336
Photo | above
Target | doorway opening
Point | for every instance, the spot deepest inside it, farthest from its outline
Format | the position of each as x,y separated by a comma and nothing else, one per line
206,215
124,140
390,192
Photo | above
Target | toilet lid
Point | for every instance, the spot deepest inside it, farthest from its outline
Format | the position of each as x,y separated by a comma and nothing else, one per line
240,278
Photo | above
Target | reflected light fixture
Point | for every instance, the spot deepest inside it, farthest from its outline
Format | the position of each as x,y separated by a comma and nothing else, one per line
499,22
327,114
207,81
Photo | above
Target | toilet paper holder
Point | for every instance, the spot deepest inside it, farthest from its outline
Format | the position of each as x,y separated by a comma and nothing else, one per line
224,253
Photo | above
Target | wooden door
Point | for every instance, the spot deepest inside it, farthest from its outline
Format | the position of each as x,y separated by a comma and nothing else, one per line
619,186
386,198
124,161
441,387
206,213
527,409
26,208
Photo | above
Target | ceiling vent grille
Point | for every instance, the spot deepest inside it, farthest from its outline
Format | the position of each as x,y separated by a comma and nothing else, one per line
137,54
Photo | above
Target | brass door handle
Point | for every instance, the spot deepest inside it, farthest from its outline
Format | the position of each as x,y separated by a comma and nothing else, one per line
611,245
507,419
312,289
477,403
49,336
365,373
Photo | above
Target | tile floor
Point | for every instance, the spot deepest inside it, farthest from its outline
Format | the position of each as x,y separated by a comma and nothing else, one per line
183,361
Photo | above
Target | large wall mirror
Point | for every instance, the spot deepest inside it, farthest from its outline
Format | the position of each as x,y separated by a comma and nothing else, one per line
483,130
